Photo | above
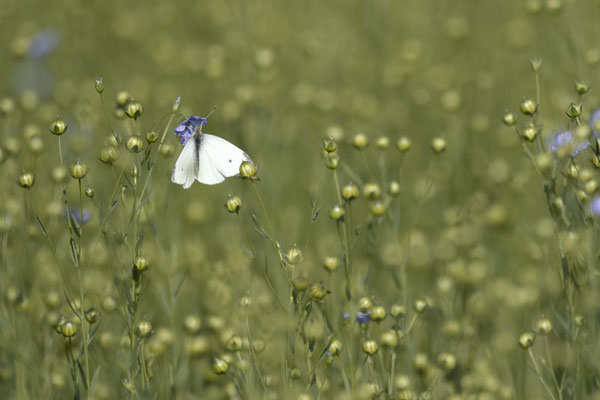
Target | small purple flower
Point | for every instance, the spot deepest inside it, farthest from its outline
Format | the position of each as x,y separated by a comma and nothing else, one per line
44,43
346,315
595,206
185,130
594,122
81,216
565,139
363,318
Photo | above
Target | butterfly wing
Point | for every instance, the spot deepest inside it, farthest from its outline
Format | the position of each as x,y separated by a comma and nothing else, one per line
186,166
218,159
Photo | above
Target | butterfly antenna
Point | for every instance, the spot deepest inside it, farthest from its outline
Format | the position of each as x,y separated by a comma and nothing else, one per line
211,111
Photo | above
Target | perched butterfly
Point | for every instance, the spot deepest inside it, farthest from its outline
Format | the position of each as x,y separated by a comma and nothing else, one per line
206,158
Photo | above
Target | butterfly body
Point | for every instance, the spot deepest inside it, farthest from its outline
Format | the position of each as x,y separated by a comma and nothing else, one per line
206,158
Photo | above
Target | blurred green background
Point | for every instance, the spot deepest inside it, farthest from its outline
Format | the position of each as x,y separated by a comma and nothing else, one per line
471,245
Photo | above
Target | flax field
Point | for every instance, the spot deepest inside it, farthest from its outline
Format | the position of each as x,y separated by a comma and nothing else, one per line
420,218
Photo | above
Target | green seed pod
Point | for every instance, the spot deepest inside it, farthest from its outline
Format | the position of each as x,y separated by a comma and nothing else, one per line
378,208
398,311
122,98
447,361
234,343
420,306
141,264
134,109
371,191
332,160
350,192
543,327
318,292
192,324
582,87
389,338
335,347
151,137
394,189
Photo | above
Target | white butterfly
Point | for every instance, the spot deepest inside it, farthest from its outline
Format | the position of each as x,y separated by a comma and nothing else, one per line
206,158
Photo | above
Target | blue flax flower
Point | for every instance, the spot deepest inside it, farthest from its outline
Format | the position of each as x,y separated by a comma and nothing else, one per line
568,139
185,130
81,216
43,44
594,122
363,318
595,206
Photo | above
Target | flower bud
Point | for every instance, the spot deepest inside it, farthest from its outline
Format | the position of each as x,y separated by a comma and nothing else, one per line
528,106
574,110
536,64
404,144
365,304
7,106
389,338
234,343
360,141
337,213
143,329
58,127
420,306
36,145
394,189
447,361
220,366
350,192
530,133
233,204
378,313
398,311
509,119
99,85
370,347
317,292
109,154
543,327
371,191
151,137
526,340
378,208
91,315
329,145
331,263
299,284
135,144
167,150
26,180
582,87
90,192
176,105
68,329
335,347
192,324
294,256
332,160
134,109
438,144
247,170
122,98
382,143
141,264
79,170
